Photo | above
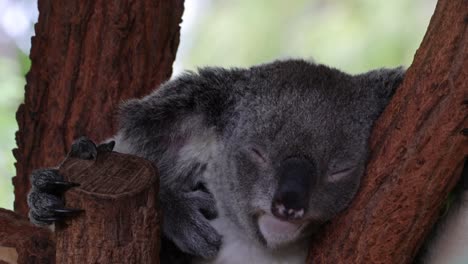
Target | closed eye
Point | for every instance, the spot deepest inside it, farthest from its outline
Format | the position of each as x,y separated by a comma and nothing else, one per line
258,155
341,174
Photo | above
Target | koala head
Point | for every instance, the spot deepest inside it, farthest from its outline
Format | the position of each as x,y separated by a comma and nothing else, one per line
296,148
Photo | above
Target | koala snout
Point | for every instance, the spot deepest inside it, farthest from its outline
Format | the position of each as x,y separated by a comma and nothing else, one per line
291,198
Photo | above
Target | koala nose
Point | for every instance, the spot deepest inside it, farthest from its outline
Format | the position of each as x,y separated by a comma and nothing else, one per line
291,198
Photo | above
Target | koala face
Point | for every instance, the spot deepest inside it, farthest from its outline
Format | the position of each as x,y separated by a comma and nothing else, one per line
293,159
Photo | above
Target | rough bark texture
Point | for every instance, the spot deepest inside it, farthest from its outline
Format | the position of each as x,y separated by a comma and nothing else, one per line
119,195
32,244
87,56
417,153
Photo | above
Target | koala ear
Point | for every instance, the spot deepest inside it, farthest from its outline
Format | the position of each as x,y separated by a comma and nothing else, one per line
377,87
382,82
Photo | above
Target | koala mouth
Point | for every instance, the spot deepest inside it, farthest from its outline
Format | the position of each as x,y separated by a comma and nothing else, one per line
277,232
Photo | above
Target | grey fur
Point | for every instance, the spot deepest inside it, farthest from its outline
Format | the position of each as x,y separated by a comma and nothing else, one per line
230,130
214,118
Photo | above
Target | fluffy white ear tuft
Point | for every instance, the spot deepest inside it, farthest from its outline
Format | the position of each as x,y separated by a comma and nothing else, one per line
450,245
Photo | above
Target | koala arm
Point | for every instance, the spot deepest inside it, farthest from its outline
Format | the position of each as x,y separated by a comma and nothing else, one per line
177,128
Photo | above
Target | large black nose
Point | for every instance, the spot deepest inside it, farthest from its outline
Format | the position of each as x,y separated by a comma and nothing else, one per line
292,196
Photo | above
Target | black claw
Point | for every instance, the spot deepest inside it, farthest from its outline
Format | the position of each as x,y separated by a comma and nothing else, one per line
67,211
106,147
64,185
464,131
49,219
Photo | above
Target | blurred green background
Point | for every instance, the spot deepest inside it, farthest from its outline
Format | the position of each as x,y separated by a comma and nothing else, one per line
353,35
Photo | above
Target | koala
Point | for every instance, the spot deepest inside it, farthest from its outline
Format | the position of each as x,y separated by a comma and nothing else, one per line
252,161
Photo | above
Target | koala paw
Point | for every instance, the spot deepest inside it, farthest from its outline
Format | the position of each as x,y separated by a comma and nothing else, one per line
185,222
83,148
45,199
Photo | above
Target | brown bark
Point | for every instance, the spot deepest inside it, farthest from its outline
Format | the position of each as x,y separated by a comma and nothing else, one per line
88,56
417,153
120,222
24,242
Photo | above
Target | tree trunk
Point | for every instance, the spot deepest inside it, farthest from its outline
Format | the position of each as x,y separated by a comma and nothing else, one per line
120,222
21,242
88,56
417,153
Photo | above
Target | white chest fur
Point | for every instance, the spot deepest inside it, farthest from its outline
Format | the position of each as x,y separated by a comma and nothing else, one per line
238,249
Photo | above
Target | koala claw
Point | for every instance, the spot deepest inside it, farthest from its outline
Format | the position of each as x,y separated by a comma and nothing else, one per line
63,186
66,211
45,199
84,148
47,220
58,216
50,181
106,147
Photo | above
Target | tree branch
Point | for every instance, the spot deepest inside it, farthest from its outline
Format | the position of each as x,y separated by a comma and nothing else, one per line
21,242
120,222
417,153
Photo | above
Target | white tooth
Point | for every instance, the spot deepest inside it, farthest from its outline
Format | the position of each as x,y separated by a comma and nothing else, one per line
299,213
281,208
